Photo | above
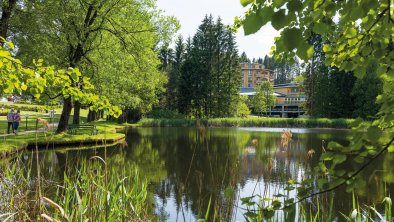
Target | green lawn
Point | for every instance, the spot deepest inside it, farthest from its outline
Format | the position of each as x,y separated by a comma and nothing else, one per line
17,141
106,130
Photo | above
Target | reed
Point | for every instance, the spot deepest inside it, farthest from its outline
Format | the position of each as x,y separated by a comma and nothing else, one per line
85,192
251,122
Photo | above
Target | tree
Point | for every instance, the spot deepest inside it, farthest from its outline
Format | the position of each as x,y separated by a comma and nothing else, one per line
244,58
174,72
258,103
264,98
242,108
7,7
39,80
354,34
365,92
70,32
209,81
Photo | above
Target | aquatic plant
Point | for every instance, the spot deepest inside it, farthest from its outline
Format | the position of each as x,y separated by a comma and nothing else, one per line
90,190
251,122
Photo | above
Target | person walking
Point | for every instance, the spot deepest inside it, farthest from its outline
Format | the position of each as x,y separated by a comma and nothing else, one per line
10,121
17,118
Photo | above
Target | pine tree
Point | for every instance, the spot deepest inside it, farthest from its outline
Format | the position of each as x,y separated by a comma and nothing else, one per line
365,91
244,58
210,74
174,75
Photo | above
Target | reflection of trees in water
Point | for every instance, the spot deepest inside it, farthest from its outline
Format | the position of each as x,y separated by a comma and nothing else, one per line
199,165
192,166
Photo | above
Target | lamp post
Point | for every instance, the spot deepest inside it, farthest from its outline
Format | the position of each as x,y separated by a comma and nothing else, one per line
52,115
26,116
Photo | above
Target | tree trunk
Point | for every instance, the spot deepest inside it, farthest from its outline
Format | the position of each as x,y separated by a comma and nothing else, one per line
5,19
65,116
77,110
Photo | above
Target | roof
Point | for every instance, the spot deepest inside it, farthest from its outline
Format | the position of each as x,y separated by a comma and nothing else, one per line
249,91
291,84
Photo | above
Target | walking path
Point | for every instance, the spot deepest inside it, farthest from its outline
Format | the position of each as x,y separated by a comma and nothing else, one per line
42,129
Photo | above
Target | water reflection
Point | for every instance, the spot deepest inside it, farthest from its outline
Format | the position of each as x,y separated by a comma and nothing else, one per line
195,170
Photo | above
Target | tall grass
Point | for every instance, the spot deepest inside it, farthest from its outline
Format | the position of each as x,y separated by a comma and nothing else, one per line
251,122
88,191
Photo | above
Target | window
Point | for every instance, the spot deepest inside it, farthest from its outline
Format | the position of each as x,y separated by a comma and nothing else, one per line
250,79
249,66
249,85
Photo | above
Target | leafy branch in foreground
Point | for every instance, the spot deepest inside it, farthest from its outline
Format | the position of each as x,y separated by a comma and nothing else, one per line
355,34
49,81
349,46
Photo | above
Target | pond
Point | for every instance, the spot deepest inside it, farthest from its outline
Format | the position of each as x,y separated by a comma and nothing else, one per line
191,171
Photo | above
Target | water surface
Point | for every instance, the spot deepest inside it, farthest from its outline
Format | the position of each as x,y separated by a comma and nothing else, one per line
188,168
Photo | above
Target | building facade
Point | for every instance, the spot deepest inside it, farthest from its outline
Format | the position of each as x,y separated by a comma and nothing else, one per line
289,102
253,74
290,98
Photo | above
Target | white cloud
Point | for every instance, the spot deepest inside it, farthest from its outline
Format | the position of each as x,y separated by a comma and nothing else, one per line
191,12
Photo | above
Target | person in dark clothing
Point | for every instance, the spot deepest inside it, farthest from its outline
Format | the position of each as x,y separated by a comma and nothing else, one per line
10,121
17,119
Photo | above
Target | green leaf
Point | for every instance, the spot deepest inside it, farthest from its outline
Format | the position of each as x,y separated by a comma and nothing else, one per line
295,5
250,215
276,204
322,183
24,87
305,51
10,45
266,14
327,156
360,71
339,158
246,2
327,48
310,51
278,3
391,148
359,159
373,133
350,33
320,28
268,213
292,38
278,19
252,23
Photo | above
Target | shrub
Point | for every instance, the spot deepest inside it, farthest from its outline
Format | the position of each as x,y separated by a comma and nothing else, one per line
165,114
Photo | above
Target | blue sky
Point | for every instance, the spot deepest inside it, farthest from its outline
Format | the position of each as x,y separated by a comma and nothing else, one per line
191,12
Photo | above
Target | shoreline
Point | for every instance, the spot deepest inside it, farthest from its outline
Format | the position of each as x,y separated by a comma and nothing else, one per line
108,136
317,123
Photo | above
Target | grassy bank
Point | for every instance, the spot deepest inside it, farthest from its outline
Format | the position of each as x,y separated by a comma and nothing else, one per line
251,122
13,143
26,138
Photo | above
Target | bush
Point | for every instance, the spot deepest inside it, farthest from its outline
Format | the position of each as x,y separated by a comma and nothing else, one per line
26,107
165,114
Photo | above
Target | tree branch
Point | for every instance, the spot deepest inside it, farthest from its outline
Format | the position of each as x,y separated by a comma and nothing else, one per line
351,177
